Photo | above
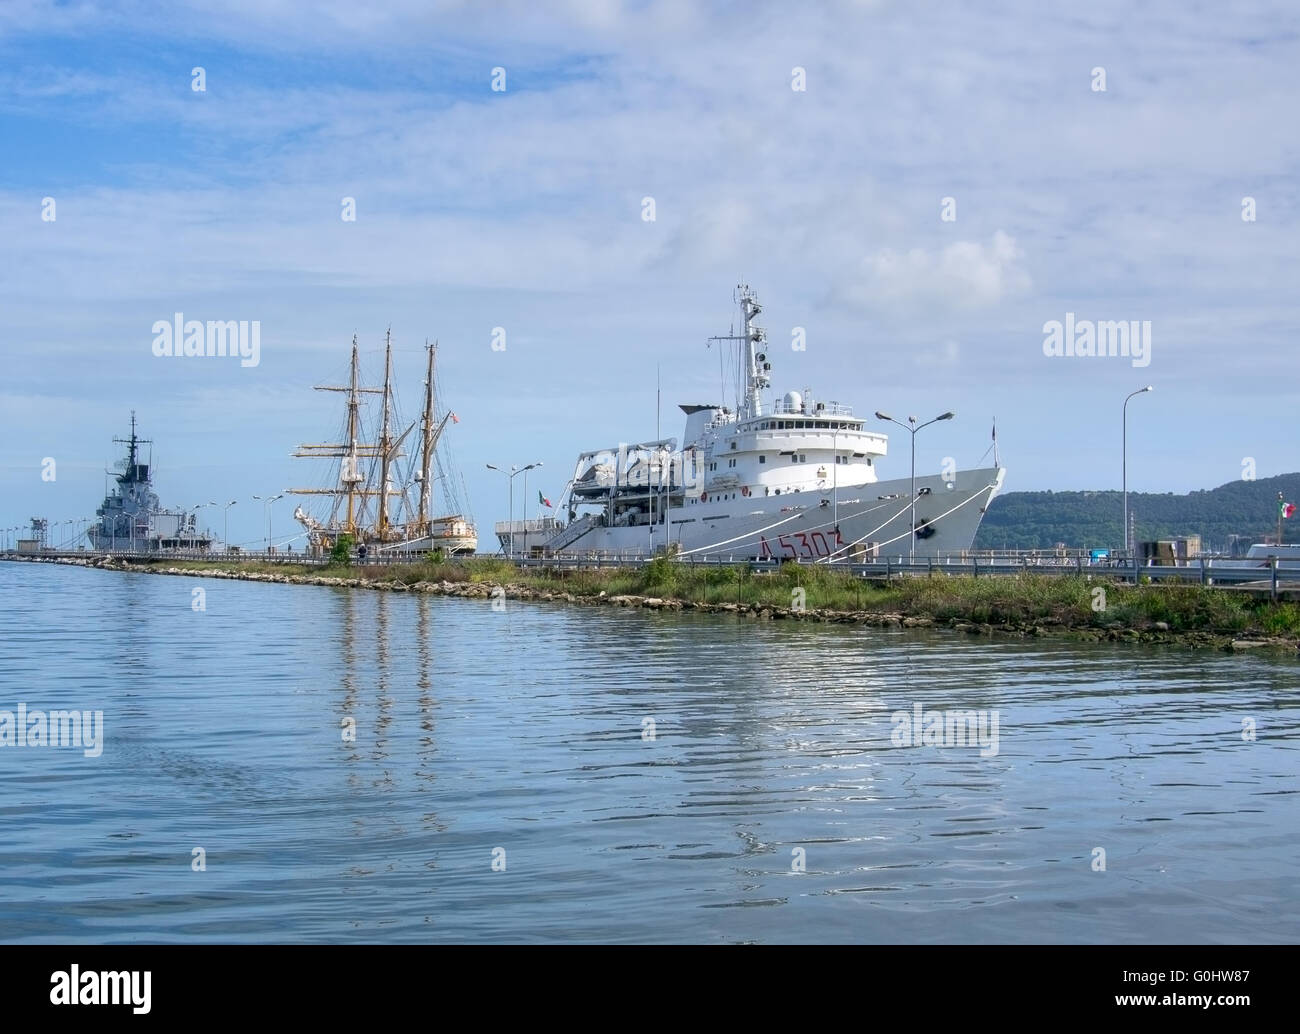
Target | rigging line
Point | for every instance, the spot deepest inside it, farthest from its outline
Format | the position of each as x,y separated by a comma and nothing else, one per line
833,522
934,520
748,534
904,535
802,512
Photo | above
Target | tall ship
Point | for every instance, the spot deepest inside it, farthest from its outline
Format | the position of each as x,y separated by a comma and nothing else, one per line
373,494
793,479
131,517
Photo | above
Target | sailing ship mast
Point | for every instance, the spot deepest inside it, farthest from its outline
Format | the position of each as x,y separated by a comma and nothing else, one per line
349,452
426,451
385,439
351,494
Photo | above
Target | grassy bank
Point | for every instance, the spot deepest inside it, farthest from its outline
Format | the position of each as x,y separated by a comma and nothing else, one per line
1023,602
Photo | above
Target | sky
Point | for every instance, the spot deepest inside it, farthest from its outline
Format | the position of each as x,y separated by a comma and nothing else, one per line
920,187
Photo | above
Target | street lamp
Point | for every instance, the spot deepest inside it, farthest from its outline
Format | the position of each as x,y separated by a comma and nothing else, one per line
225,525
1127,544
269,501
196,508
835,479
912,427
525,500
510,475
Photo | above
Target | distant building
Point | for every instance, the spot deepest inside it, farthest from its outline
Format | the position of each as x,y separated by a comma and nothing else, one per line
1170,552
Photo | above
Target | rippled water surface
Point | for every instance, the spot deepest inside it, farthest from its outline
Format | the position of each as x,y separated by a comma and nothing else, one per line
526,731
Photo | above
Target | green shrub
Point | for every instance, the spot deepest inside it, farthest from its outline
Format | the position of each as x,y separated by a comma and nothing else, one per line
342,551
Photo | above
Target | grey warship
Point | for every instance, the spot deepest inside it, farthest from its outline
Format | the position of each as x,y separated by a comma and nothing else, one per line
131,518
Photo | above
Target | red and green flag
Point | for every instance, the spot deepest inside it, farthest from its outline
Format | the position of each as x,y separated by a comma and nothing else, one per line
1285,509
541,499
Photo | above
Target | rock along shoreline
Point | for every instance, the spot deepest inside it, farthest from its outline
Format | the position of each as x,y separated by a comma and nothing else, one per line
1043,627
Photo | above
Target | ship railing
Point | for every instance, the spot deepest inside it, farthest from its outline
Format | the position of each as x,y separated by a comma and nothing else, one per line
783,408
522,527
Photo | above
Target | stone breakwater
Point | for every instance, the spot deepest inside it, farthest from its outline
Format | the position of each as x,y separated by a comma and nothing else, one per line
1114,632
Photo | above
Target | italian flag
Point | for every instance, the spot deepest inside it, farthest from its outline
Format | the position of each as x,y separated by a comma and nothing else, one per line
543,501
1285,509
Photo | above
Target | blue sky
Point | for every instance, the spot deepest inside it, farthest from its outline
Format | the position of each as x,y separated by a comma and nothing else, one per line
522,209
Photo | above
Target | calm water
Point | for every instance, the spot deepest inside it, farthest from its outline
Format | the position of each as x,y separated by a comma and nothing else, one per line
526,731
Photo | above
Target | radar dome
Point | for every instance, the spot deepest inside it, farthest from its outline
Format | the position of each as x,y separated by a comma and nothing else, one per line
793,402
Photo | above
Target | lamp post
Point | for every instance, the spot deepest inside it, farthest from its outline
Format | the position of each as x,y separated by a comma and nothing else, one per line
510,476
524,508
269,501
196,508
225,525
1124,461
835,482
912,427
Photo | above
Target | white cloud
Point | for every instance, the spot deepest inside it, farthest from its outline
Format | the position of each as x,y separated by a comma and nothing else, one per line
964,274
523,209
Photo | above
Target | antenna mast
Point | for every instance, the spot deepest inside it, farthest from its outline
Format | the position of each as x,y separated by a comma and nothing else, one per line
753,366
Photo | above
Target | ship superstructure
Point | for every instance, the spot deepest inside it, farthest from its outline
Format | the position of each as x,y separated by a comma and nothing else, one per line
796,479
131,517
371,489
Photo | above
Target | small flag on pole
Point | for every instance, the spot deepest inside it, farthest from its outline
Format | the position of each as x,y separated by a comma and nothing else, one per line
1285,509
544,501
455,419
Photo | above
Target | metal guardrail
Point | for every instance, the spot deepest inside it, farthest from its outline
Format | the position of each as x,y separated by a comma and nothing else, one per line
1270,576
1273,578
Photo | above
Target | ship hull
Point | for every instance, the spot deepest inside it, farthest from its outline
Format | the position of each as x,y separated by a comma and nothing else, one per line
450,544
851,523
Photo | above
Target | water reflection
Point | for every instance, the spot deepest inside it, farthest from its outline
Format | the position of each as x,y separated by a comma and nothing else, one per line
525,730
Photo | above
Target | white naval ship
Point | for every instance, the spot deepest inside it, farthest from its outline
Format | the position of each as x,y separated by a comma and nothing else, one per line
796,480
